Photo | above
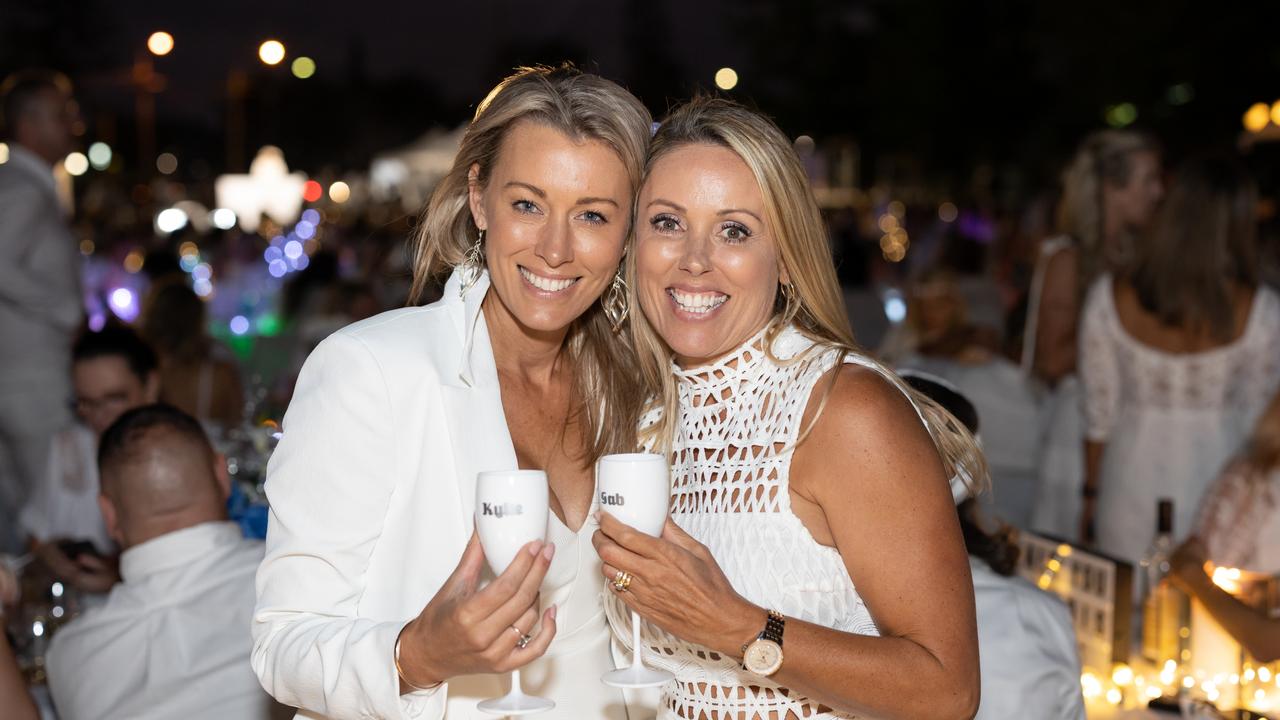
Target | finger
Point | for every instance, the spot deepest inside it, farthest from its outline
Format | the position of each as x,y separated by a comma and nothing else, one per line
494,595
538,645
620,558
91,563
673,533
527,595
628,537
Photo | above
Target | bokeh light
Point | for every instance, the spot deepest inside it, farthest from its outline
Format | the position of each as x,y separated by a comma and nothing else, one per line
311,215
100,155
948,212
303,67
311,191
1275,112
223,218
1257,117
134,260
124,303
304,230
76,164
171,220
167,163
726,78
4,153
271,52
160,43
278,268
339,192
1121,115
293,249
239,325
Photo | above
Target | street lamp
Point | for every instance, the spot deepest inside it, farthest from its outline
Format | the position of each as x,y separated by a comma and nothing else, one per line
271,52
160,43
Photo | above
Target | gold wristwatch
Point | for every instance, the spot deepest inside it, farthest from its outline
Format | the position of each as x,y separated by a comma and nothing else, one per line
763,656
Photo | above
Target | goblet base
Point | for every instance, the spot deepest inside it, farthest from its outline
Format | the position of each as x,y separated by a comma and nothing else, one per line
636,676
515,703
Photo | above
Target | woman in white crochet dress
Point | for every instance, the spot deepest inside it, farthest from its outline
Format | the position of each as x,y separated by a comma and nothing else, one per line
800,467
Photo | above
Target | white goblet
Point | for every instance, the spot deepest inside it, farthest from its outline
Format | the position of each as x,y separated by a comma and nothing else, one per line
511,512
636,489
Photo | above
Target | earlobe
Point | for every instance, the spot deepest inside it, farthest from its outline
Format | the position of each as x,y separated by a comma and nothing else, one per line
221,475
109,519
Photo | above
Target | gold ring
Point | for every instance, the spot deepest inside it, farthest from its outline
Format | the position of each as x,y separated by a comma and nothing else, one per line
622,581
524,638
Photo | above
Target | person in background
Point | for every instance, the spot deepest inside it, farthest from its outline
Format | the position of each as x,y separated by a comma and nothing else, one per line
40,304
112,371
1110,192
1239,527
1026,641
172,638
196,374
1178,357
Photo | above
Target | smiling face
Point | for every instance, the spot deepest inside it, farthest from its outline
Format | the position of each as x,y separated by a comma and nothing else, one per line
554,211
707,263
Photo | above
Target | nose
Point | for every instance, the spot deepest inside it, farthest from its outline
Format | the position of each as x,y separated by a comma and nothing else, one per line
695,258
555,244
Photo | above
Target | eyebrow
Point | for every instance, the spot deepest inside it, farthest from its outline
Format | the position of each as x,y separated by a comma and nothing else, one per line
680,208
542,194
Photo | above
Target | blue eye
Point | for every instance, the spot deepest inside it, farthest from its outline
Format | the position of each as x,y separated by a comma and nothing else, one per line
524,206
594,217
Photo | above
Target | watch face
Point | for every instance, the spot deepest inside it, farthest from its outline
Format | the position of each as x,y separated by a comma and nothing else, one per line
763,657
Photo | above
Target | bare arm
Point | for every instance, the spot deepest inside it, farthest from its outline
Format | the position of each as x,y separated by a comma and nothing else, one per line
1058,312
1258,634
879,481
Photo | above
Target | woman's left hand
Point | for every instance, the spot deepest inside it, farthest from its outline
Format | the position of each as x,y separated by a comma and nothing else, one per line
677,585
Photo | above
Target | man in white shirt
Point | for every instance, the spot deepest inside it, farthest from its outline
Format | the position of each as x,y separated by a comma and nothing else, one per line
172,639
40,303
112,371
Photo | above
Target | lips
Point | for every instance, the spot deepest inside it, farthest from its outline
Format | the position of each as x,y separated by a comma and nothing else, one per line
697,303
546,284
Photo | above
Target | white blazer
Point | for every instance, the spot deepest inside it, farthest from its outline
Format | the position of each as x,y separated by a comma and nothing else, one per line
372,494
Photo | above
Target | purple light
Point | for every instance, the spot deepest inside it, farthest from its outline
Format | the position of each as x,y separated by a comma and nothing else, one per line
202,272
311,216
239,325
301,263
272,254
293,249
305,230
97,321
124,304
278,268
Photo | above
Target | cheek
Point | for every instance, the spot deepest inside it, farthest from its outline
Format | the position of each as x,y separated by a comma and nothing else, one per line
755,273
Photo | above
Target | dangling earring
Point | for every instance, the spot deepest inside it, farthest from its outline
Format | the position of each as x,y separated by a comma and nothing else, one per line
615,304
472,265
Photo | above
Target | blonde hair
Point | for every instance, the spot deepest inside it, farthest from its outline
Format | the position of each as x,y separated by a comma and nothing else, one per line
814,302
1104,157
583,107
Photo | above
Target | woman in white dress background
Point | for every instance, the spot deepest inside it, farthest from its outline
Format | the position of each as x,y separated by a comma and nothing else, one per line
1110,191
800,466
1177,358
369,599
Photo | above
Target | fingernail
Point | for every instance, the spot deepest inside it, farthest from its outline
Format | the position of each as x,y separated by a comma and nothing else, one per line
598,514
552,612
534,547
549,551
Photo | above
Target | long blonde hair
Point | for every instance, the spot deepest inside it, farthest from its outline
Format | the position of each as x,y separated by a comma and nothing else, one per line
1104,157
583,107
814,302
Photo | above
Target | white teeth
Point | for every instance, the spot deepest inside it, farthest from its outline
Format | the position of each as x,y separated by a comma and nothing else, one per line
697,303
547,284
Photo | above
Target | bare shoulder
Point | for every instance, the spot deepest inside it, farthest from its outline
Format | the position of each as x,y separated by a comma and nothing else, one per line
868,428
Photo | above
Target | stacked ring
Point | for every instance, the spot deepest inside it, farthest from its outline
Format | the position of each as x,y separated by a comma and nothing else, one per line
524,638
622,581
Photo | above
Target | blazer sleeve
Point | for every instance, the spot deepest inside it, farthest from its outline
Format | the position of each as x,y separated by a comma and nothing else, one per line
330,483
30,224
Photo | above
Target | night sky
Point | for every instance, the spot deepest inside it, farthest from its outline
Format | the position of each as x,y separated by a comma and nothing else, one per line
935,87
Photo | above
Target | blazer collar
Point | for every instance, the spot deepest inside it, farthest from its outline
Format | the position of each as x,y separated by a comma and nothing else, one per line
475,363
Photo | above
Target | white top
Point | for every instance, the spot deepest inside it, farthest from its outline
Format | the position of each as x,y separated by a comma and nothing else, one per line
65,503
1027,649
171,640
1239,519
740,419
372,492
1169,421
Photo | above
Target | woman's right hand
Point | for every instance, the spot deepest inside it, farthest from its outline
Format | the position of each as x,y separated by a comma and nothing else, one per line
465,630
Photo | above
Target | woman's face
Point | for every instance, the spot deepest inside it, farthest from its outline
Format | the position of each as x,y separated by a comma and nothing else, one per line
707,262
554,212
1136,201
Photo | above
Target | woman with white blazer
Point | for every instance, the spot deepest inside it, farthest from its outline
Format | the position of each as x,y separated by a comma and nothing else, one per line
370,599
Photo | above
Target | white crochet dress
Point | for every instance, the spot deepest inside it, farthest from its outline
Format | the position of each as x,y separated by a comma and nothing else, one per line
739,420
